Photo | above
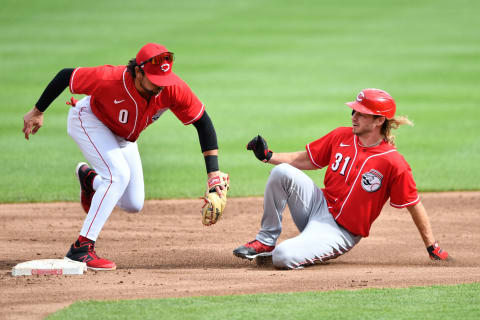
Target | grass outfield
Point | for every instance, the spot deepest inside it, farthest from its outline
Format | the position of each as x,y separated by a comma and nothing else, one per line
438,302
279,68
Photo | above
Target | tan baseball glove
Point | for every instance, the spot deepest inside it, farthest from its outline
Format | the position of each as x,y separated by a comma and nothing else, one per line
214,204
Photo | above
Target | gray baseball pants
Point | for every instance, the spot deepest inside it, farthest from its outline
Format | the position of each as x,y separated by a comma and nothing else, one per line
320,238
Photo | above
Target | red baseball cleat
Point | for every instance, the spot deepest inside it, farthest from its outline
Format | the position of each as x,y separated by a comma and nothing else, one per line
85,176
85,252
253,249
436,253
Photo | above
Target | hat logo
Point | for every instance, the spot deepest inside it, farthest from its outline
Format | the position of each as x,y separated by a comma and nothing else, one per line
360,96
165,67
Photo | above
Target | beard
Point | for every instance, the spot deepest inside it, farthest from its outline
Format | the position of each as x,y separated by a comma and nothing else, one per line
360,131
153,92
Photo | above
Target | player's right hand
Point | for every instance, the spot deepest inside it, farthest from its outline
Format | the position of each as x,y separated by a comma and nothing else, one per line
32,121
436,253
260,148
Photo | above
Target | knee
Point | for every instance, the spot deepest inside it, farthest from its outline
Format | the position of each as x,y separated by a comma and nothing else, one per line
134,207
120,179
281,171
282,174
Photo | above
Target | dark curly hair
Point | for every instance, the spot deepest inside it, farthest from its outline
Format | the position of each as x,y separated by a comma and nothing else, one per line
131,67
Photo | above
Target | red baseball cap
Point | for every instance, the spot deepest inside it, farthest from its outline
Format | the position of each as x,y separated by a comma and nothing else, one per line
374,101
157,62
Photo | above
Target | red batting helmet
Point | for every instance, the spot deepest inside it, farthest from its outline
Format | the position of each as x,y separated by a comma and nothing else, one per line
374,101
157,62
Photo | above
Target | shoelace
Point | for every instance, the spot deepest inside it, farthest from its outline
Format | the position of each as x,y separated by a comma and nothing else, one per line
258,246
255,244
91,249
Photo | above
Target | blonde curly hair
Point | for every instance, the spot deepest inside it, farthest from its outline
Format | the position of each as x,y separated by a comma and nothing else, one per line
391,124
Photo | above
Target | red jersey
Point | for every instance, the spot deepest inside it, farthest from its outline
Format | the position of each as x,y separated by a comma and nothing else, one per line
359,180
117,103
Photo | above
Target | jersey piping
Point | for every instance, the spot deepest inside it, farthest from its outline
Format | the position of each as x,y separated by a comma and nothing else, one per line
136,106
355,157
71,81
359,172
197,116
311,157
404,205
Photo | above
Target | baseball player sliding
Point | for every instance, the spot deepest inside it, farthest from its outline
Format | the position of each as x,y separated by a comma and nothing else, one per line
120,102
364,170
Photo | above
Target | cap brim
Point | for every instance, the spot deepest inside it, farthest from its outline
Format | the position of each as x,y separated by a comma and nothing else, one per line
355,105
163,80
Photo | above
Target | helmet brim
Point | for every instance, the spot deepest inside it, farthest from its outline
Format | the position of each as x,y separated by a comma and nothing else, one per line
357,106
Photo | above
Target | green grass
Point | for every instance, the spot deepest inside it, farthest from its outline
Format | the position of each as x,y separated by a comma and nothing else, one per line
279,68
438,302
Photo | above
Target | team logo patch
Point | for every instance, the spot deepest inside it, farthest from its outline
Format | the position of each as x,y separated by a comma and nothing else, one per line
372,180
165,67
360,96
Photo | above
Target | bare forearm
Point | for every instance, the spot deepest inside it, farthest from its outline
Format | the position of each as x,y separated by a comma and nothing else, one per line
211,152
298,159
420,218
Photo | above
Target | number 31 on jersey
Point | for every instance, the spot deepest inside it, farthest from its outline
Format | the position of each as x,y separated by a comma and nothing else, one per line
338,160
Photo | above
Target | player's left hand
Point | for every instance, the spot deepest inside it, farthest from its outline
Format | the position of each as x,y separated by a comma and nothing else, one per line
260,148
32,121
215,198
436,253
218,181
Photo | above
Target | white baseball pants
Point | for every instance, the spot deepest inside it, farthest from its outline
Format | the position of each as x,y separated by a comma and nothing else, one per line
117,163
320,238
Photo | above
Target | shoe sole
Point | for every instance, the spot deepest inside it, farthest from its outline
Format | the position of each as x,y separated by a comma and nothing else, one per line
252,256
91,268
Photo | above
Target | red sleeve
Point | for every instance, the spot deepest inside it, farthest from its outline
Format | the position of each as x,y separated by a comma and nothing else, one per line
404,190
84,80
319,150
185,104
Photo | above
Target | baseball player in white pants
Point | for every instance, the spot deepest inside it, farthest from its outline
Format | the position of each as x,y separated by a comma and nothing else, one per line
120,102
119,162
364,170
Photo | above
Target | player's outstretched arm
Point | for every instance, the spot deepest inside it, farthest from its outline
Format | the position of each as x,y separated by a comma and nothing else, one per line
33,120
218,183
420,218
298,159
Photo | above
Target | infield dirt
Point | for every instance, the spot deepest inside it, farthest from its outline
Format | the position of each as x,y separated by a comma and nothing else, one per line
165,251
